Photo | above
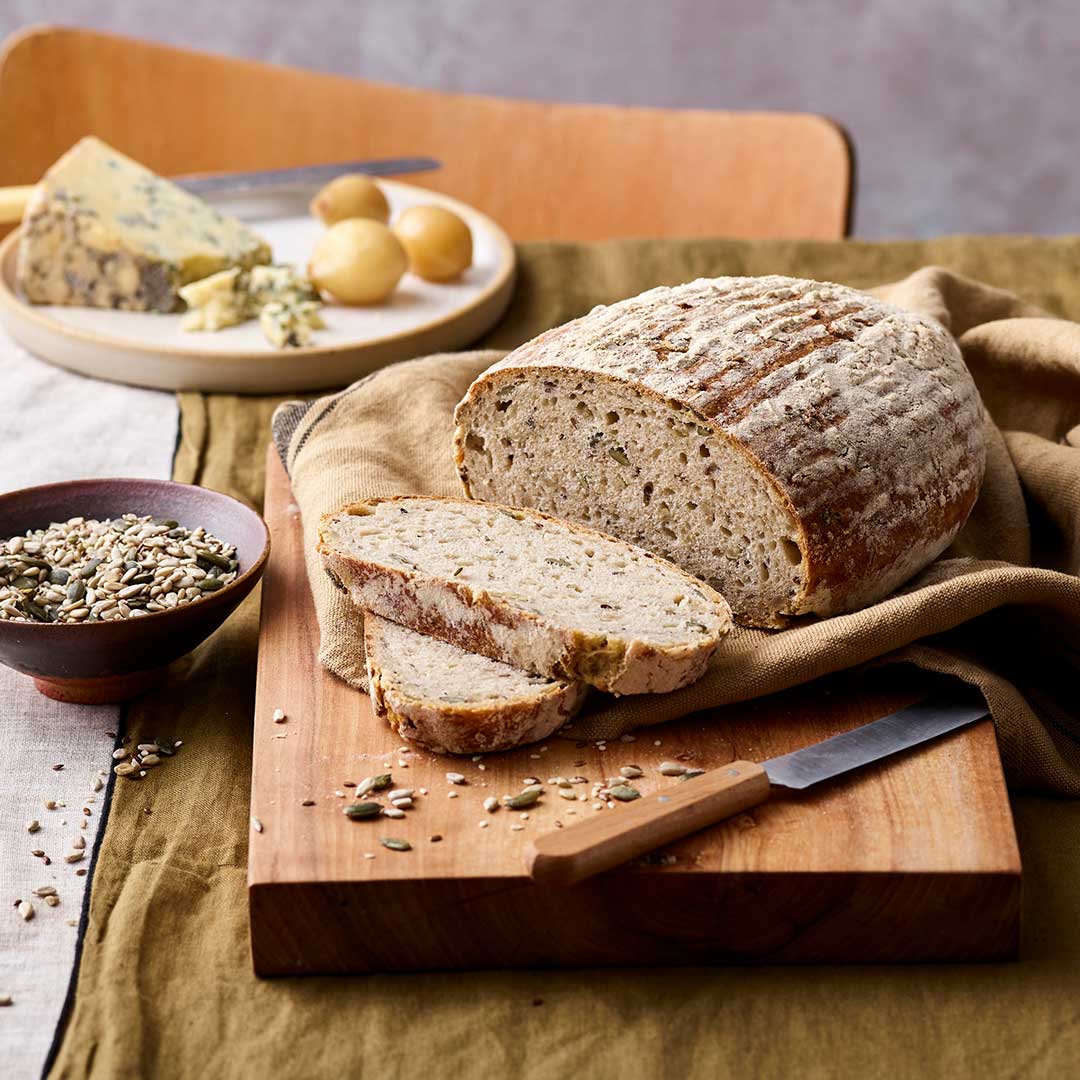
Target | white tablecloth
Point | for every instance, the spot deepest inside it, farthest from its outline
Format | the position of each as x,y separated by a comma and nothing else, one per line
56,426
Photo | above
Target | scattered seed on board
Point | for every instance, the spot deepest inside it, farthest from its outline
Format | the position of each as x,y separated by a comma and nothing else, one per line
395,844
279,716
491,804
45,890
691,773
566,793
33,826
78,842
52,900
630,772
434,838
455,778
26,910
403,803
516,828
400,793
392,812
483,824
451,794
256,824
525,799
624,793
74,856
374,783
361,811
671,768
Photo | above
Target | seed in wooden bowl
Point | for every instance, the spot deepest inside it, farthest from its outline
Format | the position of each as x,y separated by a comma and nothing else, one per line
85,570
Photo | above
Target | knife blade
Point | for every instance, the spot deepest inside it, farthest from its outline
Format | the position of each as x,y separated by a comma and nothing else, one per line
572,854
237,183
13,200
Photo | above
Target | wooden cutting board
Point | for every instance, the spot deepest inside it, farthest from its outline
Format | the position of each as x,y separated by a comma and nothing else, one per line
913,860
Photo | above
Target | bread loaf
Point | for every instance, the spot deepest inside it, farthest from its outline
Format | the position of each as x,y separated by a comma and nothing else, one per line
542,595
801,446
458,702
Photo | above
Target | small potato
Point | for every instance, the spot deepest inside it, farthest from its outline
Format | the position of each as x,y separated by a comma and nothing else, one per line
353,195
357,261
437,241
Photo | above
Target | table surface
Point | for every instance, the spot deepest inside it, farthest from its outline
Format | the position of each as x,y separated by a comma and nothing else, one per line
50,431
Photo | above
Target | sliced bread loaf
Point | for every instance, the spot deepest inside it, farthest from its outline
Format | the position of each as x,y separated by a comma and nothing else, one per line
803,447
552,598
458,702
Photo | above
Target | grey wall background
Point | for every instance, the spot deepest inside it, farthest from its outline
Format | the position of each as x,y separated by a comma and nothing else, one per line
964,113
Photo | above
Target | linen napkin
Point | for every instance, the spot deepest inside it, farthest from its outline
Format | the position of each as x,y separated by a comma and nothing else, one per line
1000,608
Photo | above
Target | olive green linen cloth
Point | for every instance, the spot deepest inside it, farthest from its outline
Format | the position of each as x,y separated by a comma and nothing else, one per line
391,433
165,987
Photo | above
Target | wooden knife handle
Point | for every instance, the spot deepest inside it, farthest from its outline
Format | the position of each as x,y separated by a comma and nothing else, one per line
569,855
13,202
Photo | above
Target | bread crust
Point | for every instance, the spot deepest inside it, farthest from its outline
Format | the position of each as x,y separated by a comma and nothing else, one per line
824,388
478,622
465,728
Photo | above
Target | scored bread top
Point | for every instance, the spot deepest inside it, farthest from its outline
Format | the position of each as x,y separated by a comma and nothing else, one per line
861,413
528,589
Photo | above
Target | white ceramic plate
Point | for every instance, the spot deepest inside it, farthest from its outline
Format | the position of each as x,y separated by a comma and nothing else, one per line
147,349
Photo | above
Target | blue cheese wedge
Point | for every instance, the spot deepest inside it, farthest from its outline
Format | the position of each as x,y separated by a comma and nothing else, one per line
103,231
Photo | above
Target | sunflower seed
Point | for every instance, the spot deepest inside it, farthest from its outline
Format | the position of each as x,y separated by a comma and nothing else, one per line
630,772
671,768
491,804
455,778
256,824
45,890
278,716
119,754
78,842
394,844
393,812
74,856
566,793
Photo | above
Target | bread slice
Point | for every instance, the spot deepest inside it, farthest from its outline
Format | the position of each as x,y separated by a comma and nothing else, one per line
551,598
458,702
803,447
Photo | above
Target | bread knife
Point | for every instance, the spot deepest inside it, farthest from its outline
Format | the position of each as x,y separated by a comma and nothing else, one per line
570,855
13,200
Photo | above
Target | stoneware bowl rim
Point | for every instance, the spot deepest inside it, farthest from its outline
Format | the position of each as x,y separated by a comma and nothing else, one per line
217,599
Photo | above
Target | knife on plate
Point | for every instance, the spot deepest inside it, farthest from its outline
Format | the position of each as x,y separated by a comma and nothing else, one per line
569,855
13,200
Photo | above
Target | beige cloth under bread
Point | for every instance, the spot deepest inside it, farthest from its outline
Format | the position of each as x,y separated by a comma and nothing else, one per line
1000,609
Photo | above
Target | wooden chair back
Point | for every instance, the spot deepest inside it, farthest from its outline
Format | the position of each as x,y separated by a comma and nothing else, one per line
544,171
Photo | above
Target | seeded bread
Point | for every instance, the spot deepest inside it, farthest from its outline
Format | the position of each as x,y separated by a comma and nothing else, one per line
551,598
458,702
803,447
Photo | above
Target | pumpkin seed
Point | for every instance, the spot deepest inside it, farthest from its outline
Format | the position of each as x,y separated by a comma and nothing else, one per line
395,844
691,773
624,793
630,772
24,584
76,590
209,584
374,783
525,799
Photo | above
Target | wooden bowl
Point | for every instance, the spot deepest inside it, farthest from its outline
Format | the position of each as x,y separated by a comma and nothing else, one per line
95,663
